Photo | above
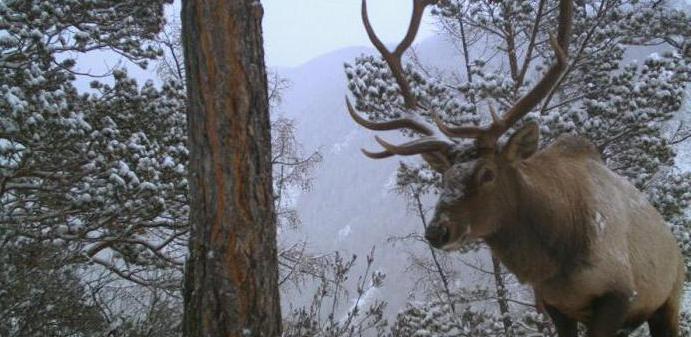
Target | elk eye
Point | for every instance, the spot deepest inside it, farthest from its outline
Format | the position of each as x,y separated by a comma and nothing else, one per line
486,175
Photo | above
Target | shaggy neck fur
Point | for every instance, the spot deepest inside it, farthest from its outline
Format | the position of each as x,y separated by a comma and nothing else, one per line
548,234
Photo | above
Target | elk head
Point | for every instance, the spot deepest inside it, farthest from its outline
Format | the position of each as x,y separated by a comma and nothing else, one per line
477,194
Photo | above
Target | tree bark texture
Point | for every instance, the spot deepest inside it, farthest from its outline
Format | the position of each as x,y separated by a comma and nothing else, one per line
231,277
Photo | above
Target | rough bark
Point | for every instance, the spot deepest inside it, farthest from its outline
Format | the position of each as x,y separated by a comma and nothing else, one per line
231,277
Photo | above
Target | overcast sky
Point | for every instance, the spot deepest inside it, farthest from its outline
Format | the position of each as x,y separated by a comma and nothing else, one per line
296,31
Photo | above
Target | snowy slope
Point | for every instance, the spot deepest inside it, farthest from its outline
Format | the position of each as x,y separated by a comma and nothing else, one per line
351,206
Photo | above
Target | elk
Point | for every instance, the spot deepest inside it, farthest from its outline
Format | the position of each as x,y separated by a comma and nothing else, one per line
585,239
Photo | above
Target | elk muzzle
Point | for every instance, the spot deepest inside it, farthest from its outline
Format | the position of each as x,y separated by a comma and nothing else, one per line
437,235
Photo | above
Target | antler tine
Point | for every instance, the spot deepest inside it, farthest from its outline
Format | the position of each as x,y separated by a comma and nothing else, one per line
560,45
457,131
493,113
393,60
377,155
418,146
388,125
426,144
418,9
487,136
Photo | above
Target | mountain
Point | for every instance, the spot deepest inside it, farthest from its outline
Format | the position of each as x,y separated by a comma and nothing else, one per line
352,205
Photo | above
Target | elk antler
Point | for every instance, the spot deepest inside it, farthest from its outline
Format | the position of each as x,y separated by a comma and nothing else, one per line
390,125
486,137
427,144
393,59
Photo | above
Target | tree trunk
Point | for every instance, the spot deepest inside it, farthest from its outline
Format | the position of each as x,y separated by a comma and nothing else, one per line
231,277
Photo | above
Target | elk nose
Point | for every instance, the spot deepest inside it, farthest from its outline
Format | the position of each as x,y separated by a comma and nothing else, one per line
437,236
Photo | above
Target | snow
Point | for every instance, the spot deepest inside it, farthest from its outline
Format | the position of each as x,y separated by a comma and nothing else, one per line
168,162
454,181
344,144
118,180
599,223
147,186
344,232
633,296
18,105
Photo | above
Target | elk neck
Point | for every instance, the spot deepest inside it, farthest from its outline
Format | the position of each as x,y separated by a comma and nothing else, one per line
543,237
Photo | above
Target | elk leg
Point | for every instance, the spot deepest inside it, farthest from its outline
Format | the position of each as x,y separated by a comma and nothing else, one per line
665,321
608,315
566,327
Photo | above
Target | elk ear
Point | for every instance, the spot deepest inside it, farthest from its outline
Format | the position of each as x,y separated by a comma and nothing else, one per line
437,161
523,143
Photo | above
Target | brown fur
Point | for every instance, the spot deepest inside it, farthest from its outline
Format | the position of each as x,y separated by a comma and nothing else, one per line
587,241
546,241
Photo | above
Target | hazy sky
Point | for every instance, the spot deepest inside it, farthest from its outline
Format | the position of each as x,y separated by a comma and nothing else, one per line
296,31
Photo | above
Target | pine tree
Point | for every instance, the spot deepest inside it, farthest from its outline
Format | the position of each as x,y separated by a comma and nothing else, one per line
92,182
96,174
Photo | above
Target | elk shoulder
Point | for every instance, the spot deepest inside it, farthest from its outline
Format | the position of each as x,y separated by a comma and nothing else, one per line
575,146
